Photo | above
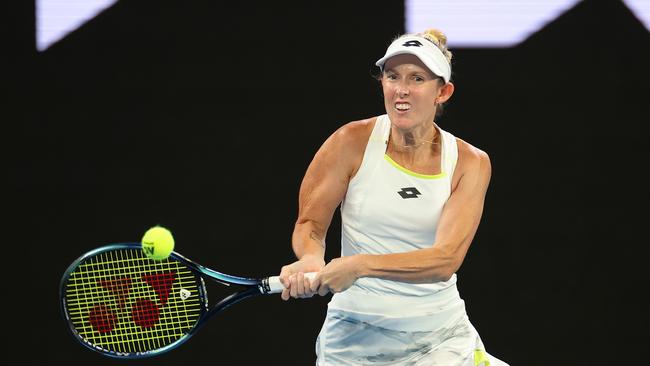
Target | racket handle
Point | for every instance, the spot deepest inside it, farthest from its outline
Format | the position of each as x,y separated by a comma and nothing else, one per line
275,286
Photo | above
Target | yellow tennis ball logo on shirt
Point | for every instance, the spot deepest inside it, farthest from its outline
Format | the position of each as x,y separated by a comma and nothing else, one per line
157,243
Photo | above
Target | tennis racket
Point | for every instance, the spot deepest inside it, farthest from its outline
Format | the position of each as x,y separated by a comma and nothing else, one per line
122,304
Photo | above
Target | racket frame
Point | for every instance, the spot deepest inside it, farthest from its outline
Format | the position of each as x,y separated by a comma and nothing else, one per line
251,287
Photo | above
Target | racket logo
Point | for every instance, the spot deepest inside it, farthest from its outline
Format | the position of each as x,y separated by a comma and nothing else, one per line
184,294
143,312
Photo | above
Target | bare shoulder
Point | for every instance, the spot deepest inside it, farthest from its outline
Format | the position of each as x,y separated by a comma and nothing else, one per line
472,162
470,153
346,146
355,132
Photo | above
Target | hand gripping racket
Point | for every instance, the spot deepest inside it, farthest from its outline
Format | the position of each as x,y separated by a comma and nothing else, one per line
122,304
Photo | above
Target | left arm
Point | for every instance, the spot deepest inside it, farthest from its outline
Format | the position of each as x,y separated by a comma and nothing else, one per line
458,224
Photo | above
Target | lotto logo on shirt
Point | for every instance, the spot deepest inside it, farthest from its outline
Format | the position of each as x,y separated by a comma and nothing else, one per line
409,192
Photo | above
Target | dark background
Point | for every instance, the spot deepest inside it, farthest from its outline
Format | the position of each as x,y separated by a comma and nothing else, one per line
202,116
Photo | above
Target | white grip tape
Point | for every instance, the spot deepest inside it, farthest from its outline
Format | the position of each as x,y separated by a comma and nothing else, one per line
276,286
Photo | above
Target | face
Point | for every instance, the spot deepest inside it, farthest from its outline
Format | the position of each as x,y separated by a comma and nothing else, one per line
411,92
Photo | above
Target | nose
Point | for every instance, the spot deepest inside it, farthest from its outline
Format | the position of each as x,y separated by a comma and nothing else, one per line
402,90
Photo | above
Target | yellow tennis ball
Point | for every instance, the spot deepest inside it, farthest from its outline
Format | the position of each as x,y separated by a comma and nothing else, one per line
157,243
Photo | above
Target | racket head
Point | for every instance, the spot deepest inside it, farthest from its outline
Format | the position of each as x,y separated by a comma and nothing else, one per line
122,304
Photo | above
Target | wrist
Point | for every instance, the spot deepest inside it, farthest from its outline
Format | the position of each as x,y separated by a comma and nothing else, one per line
361,265
315,259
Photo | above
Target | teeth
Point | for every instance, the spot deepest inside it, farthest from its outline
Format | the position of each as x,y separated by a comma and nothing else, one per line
403,106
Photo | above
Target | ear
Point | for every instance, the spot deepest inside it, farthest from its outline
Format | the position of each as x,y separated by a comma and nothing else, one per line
445,93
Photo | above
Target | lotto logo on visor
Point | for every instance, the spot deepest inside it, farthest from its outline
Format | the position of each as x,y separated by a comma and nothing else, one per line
412,44
429,53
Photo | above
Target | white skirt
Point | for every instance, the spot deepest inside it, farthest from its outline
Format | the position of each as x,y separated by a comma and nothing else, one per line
362,328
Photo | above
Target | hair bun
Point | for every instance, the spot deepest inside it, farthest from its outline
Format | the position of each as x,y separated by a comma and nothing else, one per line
439,39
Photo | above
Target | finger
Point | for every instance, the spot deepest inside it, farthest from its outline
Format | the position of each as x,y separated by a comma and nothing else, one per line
323,290
315,283
293,287
307,285
285,272
300,284
285,294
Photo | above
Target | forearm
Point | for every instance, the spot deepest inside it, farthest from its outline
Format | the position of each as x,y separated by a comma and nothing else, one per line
307,240
418,266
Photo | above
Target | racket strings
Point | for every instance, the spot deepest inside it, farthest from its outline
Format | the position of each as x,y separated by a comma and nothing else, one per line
123,302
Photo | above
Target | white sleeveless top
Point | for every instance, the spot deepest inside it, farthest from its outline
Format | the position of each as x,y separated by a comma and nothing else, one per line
390,209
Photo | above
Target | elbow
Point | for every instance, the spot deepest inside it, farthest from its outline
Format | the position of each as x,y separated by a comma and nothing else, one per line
445,266
450,268
445,274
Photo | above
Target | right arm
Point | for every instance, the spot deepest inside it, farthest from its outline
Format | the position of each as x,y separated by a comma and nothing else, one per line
322,190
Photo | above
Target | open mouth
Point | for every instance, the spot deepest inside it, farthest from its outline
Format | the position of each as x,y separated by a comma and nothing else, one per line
402,107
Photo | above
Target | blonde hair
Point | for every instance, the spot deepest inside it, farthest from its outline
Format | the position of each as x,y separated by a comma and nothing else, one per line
439,39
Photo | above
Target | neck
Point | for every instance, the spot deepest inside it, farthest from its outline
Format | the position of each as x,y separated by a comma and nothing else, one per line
412,140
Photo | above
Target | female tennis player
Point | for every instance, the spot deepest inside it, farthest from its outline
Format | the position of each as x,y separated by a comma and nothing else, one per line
411,199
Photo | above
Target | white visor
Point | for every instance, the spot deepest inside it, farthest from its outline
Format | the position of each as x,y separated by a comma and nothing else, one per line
422,48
